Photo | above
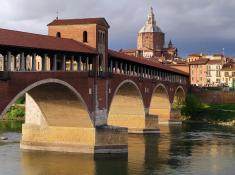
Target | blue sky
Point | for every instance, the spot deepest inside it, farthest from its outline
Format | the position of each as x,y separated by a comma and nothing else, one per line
194,26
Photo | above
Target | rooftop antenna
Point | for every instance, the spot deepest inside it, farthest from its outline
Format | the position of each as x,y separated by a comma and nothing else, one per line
57,14
149,3
223,51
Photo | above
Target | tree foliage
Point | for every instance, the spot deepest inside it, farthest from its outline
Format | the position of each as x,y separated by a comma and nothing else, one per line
15,112
192,108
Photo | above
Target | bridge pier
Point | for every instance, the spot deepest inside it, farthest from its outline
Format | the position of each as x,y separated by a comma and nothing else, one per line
49,128
73,139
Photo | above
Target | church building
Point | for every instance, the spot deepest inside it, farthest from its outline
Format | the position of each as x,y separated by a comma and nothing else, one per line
151,43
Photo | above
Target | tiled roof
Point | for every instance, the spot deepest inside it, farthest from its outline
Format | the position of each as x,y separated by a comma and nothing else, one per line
228,67
29,40
211,62
144,61
201,61
99,21
196,55
128,50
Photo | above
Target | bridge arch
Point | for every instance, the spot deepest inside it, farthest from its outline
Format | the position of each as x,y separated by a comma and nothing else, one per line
127,106
58,102
179,97
160,105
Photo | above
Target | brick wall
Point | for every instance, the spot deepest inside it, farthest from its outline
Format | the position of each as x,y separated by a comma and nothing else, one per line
216,97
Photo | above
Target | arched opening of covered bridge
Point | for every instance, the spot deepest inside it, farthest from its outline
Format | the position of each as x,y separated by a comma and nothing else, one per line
58,103
127,108
178,102
56,119
160,106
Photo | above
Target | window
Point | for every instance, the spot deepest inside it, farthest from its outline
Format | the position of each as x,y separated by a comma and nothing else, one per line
85,37
233,74
226,80
58,35
226,74
209,73
101,37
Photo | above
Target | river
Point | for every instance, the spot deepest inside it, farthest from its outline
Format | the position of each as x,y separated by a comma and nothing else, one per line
180,150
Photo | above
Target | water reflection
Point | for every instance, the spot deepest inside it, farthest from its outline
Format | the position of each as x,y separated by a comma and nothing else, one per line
37,163
187,149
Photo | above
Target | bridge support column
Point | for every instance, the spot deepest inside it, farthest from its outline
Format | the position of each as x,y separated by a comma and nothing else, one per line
34,62
64,63
9,60
44,62
54,63
175,115
71,64
39,134
22,62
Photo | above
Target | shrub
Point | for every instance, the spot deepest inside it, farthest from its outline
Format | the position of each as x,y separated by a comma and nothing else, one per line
15,112
21,100
192,108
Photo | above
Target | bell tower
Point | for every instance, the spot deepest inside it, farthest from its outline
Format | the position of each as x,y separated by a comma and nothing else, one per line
150,37
92,32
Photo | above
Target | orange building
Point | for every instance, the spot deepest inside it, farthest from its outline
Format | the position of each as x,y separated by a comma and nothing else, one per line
198,72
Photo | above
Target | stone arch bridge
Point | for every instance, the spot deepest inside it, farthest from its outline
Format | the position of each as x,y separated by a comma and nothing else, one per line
75,105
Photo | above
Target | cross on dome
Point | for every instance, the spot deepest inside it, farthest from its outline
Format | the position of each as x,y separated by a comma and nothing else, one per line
150,25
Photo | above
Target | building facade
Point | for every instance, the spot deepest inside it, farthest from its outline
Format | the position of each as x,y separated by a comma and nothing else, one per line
228,75
205,70
198,72
214,72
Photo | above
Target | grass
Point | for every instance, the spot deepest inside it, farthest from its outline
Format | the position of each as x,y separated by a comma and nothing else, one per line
225,107
218,113
194,110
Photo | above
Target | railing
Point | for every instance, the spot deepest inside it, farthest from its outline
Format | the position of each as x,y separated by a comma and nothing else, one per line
4,75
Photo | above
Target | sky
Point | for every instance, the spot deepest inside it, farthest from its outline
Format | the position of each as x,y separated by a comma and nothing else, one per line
194,26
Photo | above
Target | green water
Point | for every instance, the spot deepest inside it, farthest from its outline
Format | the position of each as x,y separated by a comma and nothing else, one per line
182,150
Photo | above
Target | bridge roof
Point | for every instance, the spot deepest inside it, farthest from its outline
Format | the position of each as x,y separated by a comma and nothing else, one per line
35,41
98,21
144,61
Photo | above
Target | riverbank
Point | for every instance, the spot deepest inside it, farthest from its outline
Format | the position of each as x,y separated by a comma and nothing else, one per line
198,112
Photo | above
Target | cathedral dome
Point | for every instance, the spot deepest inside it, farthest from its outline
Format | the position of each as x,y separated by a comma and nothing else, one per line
150,25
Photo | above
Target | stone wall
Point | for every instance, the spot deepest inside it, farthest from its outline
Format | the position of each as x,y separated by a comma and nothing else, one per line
215,97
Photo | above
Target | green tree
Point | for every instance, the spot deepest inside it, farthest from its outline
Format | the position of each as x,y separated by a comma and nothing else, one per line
192,108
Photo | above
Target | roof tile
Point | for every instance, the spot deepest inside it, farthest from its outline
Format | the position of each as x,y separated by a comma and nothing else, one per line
99,21
29,40
144,61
